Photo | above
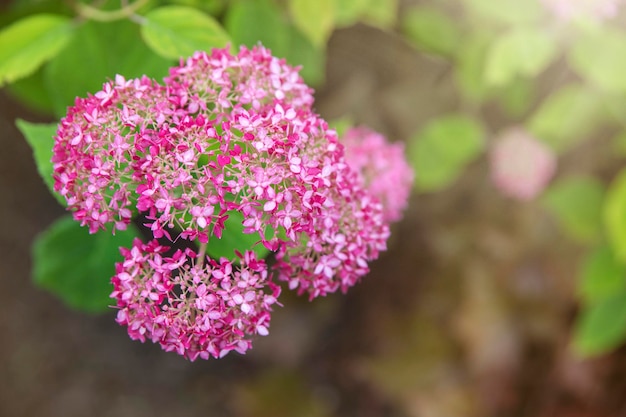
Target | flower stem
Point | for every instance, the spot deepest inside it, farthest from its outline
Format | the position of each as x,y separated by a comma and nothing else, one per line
201,256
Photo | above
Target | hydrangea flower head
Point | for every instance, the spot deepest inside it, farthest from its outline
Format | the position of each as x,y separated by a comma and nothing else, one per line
521,166
224,134
195,307
101,147
139,146
325,225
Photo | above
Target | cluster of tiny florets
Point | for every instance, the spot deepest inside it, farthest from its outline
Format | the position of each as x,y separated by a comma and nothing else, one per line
196,307
224,134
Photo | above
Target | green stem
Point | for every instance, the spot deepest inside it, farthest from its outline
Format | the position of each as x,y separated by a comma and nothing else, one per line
92,13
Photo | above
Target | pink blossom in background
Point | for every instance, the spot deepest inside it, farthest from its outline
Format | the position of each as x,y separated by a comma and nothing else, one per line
382,167
521,166
567,10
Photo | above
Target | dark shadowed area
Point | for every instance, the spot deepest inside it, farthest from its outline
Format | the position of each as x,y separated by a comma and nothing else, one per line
468,313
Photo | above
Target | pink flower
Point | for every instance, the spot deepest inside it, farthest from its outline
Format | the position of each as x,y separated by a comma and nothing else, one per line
225,134
137,146
194,309
335,225
341,241
382,167
98,151
521,166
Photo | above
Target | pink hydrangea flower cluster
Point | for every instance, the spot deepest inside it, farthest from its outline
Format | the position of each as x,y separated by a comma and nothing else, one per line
196,307
567,10
521,166
224,134
382,168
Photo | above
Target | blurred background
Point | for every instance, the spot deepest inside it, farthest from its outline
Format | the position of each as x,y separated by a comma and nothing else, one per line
503,290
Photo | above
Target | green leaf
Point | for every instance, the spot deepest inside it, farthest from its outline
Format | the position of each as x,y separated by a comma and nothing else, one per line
521,52
431,30
40,137
470,66
341,125
315,19
28,43
577,204
76,266
567,116
619,144
506,12
97,53
615,215
312,59
516,98
601,326
441,150
600,57
348,12
32,92
615,105
381,13
17,10
212,7
601,275
250,22
179,31
233,238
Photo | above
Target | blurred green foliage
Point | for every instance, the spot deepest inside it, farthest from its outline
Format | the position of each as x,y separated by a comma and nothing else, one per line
601,275
104,49
179,31
561,80
520,52
28,43
567,116
576,202
601,325
432,30
443,148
